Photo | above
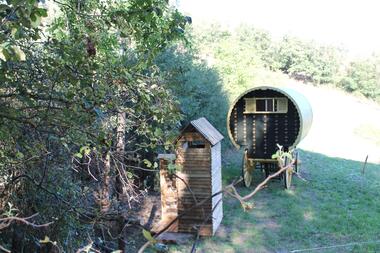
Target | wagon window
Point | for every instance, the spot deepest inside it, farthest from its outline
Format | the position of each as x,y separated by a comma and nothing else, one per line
270,105
260,105
266,105
282,105
197,144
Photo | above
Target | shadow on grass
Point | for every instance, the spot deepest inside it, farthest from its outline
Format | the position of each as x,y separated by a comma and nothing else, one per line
337,205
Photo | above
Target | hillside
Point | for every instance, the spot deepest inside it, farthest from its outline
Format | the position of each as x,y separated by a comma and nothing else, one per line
344,125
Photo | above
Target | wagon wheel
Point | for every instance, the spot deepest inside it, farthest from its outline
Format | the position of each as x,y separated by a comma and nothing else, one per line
288,174
246,170
296,161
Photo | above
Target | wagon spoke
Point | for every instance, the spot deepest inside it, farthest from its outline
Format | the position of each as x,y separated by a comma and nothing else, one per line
247,170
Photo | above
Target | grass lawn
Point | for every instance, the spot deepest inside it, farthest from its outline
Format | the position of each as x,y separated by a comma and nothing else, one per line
369,132
337,205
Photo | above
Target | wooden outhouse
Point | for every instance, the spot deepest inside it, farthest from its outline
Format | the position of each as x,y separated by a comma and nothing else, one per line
198,157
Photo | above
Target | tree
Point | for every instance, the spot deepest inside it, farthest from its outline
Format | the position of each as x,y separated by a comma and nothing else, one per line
363,76
197,86
308,61
60,107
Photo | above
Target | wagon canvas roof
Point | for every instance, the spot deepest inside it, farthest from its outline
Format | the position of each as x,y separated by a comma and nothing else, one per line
204,127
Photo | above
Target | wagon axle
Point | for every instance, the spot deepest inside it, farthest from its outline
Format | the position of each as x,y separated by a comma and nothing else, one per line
268,166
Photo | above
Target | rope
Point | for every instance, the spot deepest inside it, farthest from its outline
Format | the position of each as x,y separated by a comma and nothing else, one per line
335,246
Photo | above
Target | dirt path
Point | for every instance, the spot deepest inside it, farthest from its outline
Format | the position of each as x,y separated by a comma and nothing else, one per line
342,124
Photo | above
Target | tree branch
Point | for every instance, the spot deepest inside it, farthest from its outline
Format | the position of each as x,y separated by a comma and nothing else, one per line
5,250
5,222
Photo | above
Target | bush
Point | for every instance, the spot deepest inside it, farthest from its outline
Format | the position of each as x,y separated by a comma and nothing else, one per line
307,61
197,86
363,76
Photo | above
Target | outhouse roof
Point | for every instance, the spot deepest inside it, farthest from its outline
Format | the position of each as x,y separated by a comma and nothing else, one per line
208,131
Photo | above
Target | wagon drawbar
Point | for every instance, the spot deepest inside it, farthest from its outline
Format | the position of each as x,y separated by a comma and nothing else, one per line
263,117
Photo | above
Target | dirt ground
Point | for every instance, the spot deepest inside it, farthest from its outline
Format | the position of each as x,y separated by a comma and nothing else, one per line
148,212
339,123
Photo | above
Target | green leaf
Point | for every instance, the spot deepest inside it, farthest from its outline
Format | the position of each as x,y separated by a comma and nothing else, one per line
42,12
129,174
148,236
13,31
247,206
45,240
19,155
7,54
2,56
148,163
172,168
36,21
286,154
85,150
79,155
66,146
20,55
158,132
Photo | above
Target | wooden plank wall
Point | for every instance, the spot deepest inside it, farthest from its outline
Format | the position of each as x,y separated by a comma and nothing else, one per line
196,172
216,182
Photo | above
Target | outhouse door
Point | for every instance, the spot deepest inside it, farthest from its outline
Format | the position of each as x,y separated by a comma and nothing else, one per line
194,184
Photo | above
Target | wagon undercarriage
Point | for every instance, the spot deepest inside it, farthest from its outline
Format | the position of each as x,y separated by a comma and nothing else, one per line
268,167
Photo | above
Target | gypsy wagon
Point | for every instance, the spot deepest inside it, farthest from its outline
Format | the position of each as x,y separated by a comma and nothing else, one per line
262,118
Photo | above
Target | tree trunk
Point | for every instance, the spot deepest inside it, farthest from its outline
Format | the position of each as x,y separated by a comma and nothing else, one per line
103,194
17,239
120,148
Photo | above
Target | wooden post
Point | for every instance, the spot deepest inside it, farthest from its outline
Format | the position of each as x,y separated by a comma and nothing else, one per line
364,165
169,193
